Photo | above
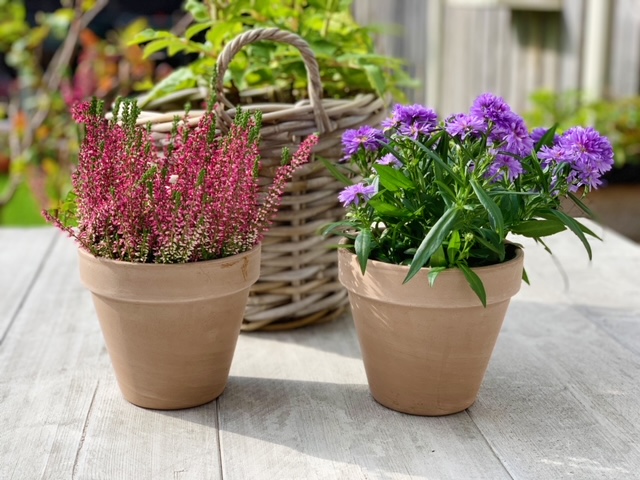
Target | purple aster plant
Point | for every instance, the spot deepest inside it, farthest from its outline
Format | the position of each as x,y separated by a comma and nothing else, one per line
491,108
505,164
538,133
354,194
476,177
588,153
390,160
411,120
366,137
515,136
463,125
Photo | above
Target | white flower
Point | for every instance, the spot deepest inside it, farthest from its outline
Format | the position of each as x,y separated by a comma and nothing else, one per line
173,179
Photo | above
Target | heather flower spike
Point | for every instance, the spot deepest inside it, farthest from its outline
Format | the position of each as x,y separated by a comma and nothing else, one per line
198,200
446,194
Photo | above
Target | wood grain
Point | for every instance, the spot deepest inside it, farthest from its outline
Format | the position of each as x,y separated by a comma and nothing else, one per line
298,406
18,268
61,412
561,398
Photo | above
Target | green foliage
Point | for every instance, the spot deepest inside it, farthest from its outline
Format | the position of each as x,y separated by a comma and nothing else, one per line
42,142
24,208
344,50
619,120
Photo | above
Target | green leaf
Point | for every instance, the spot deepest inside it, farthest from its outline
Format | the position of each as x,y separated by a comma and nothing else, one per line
438,259
454,246
538,228
474,282
495,215
392,179
362,246
446,192
155,46
198,10
387,209
336,227
196,29
432,241
177,46
525,277
576,227
436,158
433,274
496,246
581,205
547,138
179,79
376,78
333,170
149,34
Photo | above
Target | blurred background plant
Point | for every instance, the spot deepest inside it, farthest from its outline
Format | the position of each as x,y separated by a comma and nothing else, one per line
619,120
56,60
58,52
270,71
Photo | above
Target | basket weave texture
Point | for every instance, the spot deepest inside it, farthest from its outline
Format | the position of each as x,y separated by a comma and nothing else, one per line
298,284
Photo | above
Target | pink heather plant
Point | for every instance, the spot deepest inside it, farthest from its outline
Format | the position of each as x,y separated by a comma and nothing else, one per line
199,200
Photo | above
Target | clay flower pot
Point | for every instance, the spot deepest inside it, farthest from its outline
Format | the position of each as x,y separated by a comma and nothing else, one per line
171,330
426,349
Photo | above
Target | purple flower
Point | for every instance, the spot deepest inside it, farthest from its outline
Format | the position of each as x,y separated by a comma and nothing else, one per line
352,194
390,160
462,125
538,133
555,154
411,120
367,137
394,120
505,164
588,153
515,135
588,148
492,108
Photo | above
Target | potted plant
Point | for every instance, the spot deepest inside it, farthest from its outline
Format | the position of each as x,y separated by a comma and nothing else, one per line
310,67
426,259
169,245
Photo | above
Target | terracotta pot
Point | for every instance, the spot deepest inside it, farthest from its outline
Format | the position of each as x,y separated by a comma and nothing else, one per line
426,349
171,330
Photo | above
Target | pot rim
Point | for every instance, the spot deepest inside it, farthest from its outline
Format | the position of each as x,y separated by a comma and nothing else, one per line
122,263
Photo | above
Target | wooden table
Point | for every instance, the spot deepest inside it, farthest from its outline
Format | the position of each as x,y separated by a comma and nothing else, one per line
561,398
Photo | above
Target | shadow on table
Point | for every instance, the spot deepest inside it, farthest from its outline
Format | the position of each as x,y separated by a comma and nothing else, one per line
341,423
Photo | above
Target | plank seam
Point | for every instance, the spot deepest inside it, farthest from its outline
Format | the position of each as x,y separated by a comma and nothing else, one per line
217,402
27,292
85,427
488,443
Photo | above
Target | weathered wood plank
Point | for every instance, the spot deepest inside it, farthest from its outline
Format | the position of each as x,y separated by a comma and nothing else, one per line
61,413
561,395
125,441
297,406
22,252
561,398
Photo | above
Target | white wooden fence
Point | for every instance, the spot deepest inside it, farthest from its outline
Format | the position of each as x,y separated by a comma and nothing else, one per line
461,48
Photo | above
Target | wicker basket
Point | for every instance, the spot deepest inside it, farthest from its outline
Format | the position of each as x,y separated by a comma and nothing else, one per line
298,283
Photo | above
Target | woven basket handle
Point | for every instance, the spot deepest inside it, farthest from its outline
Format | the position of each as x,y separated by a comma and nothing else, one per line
276,35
